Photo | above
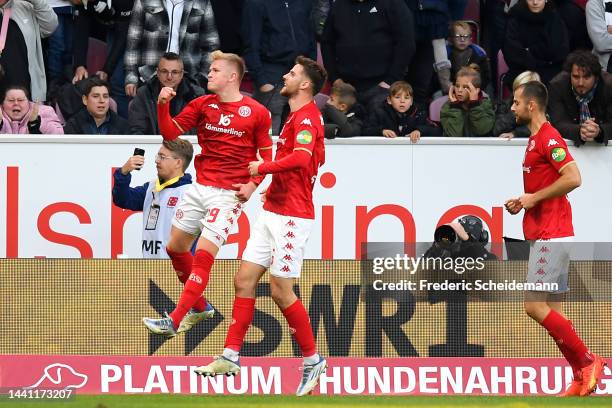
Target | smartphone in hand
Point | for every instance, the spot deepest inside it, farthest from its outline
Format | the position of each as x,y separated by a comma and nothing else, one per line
139,152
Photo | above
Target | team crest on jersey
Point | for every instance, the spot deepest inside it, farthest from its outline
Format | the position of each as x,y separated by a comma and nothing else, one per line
304,137
244,111
558,154
306,121
531,145
172,201
179,214
552,142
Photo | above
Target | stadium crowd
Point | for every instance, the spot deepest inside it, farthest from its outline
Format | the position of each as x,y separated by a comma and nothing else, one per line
397,68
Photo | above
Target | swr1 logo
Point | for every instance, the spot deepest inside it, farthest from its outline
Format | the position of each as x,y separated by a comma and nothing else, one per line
224,120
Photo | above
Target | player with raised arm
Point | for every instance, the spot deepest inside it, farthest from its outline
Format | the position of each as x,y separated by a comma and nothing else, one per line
231,129
549,173
278,240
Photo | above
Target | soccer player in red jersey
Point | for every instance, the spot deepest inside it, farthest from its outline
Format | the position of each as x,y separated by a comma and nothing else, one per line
278,240
232,129
549,173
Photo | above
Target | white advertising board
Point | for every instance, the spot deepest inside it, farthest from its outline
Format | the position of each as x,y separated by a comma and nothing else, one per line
55,193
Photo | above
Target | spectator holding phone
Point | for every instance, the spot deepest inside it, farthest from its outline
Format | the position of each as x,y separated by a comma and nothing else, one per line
159,198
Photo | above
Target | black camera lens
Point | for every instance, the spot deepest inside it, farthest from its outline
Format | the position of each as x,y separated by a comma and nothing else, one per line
445,234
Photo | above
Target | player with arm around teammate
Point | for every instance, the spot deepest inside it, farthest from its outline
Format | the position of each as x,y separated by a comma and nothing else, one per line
278,240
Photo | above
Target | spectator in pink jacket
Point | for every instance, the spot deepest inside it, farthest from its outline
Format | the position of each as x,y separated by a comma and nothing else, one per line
20,116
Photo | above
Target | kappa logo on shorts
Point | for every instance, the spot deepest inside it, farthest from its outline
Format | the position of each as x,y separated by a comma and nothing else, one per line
179,214
231,221
544,250
288,246
244,111
287,258
172,201
235,211
542,261
285,269
290,235
226,230
290,223
541,271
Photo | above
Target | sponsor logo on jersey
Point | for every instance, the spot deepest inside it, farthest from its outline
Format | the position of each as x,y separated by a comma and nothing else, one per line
244,111
558,154
229,131
225,120
304,137
172,201
306,121
552,142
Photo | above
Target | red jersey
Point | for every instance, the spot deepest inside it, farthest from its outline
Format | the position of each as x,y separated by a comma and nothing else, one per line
545,156
230,133
290,192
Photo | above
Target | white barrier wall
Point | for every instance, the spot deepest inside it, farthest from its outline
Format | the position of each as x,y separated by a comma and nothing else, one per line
55,193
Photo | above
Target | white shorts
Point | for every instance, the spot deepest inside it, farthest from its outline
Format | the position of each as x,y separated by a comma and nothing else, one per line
549,262
278,242
210,212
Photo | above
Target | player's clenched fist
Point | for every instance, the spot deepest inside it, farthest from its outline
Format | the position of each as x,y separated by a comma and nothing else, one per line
513,206
166,95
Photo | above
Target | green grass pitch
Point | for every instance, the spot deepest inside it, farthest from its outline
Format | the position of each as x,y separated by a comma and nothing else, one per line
200,401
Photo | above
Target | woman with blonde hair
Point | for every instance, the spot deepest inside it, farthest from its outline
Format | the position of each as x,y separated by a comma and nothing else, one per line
505,122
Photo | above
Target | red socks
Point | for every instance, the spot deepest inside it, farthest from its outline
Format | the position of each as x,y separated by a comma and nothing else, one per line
195,285
242,316
182,263
572,347
299,324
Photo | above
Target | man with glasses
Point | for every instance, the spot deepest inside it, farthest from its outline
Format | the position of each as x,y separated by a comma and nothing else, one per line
159,198
170,73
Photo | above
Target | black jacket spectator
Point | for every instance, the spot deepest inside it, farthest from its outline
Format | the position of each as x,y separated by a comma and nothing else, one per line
505,122
143,109
227,19
385,117
564,112
535,42
116,18
366,42
83,124
274,34
349,124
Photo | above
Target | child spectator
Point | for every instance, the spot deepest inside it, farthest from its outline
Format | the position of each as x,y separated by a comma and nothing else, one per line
505,121
462,53
341,111
468,112
20,116
399,116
